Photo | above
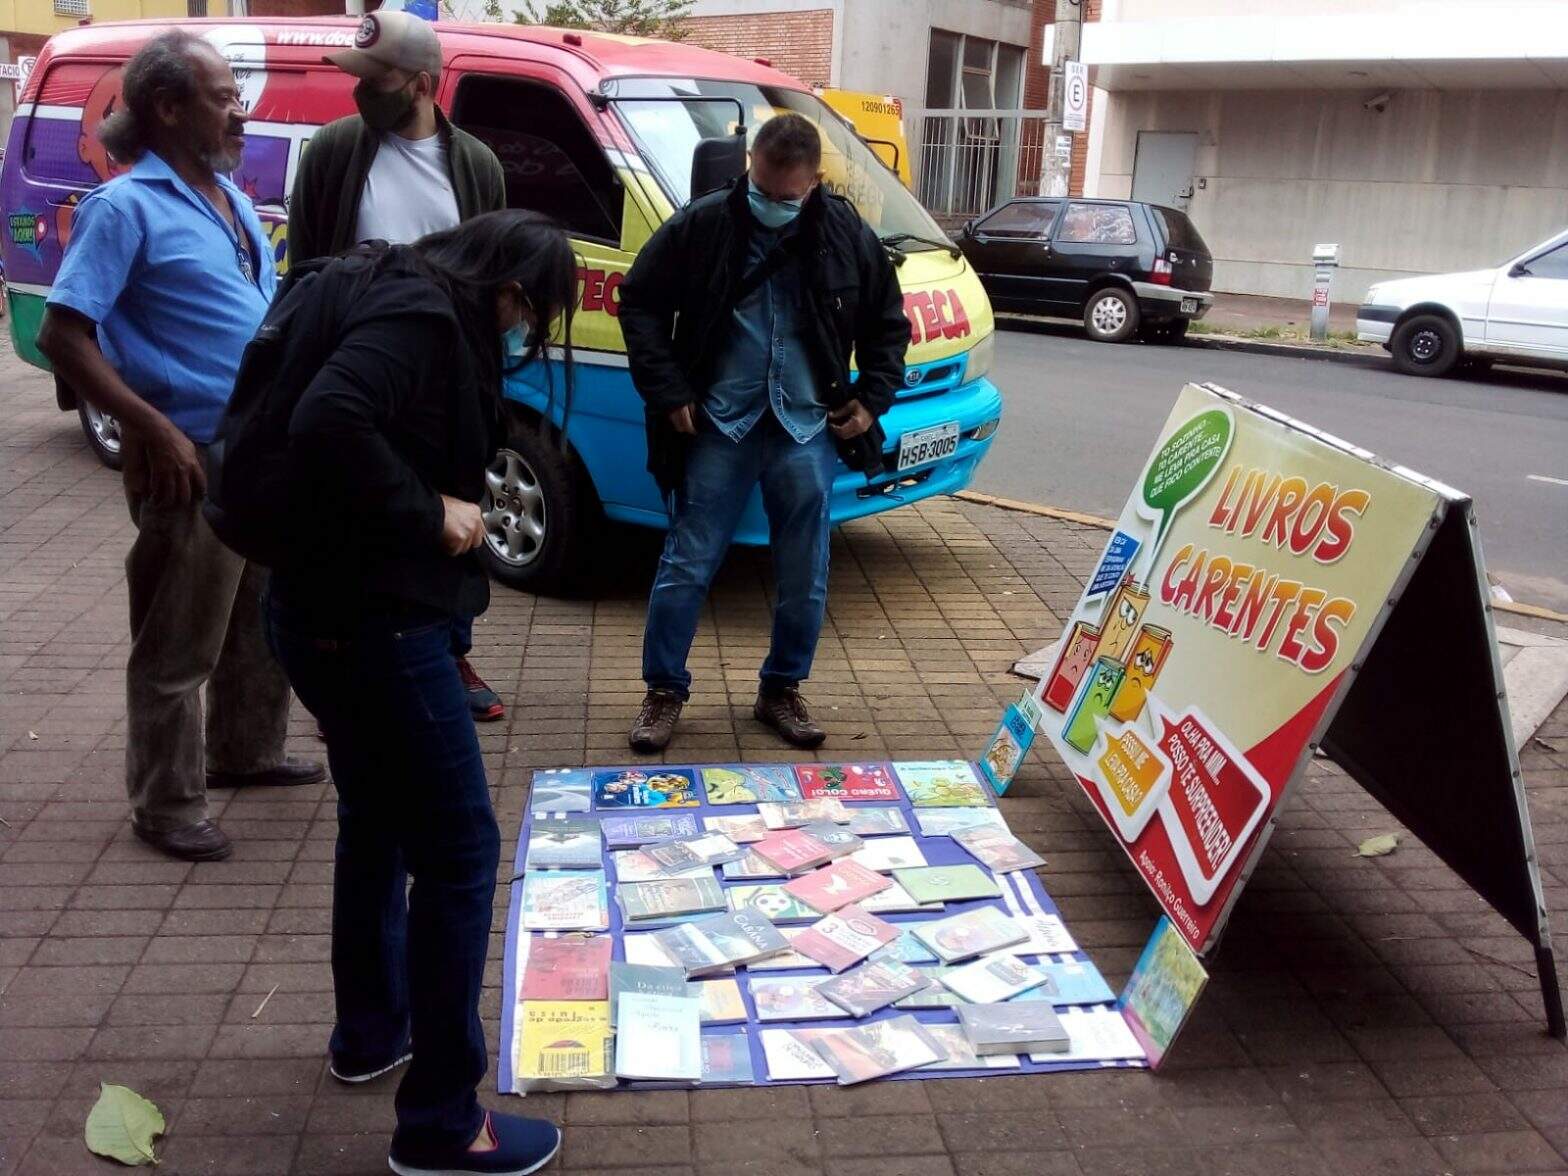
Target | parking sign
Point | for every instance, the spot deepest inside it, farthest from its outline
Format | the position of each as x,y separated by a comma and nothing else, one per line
1075,96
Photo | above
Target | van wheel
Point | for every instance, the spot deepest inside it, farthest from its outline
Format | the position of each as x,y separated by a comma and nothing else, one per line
103,434
1425,345
1110,315
538,512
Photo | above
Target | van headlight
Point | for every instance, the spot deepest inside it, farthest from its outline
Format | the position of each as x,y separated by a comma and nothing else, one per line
981,356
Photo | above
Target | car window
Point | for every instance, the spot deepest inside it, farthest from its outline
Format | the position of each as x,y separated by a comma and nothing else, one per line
1022,218
1550,265
1098,224
1180,233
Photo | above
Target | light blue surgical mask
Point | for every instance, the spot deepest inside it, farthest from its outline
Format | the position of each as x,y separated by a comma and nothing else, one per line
514,341
772,214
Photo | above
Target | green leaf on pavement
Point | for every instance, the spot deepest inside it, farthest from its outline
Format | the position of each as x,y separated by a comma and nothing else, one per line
122,1126
1378,846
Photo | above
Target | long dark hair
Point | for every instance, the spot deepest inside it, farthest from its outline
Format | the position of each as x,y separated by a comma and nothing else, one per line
474,261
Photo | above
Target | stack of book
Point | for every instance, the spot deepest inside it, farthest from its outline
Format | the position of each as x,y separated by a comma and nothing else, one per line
1013,1028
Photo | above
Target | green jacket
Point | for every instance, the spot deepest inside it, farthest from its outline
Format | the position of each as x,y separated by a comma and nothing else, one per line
324,205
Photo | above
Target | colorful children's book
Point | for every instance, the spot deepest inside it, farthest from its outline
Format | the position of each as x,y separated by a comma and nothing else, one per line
998,850
877,1049
947,883
722,1003
688,853
942,784
1013,1028
667,897
771,901
877,822
885,854
792,851
944,822
803,812
658,1037
994,978
565,900
564,843
844,938
846,781
644,978
789,998
961,1055
561,790
790,1054
1000,760
978,932
634,865
1164,985
721,942
742,828
750,868
873,986
836,885
565,1042
631,830
567,967
726,1059
651,787
750,784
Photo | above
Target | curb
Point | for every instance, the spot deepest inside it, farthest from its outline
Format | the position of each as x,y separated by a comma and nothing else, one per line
1039,325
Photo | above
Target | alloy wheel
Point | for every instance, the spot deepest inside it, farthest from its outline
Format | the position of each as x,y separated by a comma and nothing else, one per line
514,510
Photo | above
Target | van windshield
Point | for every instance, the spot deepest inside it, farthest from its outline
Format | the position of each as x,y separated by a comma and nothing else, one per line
667,133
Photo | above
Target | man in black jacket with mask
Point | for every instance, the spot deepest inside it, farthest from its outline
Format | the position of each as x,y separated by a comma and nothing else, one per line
740,317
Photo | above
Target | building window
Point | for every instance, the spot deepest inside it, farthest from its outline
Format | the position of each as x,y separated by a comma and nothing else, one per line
969,161
195,7
77,8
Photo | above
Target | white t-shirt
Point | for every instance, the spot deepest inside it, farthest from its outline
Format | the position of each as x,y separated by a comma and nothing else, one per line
408,192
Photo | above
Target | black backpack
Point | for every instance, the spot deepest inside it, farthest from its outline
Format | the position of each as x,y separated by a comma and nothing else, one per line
248,492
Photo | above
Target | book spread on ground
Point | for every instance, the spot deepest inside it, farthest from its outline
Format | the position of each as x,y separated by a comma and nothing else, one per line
1075,983
835,886
794,814
564,1041
750,784
561,790
565,843
790,1055
844,938
567,967
726,1060
1012,1028
873,986
658,1037
643,978
791,998
721,1001
667,897
958,937
651,787
721,942
997,849
687,853
634,865
895,900
947,883
943,784
1047,934
995,978
944,822
876,1049
785,961
771,901
885,854
742,828
565,900
961,1055
877,822
936,996
906,949
791,851
841,840
846,782
750,868
631,830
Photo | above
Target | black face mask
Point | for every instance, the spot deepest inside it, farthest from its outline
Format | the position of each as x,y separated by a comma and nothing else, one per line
384,110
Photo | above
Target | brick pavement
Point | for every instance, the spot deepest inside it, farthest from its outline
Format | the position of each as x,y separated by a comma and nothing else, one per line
1365,1014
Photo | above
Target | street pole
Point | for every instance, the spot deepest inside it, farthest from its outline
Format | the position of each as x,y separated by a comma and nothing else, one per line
1056,173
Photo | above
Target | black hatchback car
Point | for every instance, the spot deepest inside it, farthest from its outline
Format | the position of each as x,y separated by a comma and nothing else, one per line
1123,267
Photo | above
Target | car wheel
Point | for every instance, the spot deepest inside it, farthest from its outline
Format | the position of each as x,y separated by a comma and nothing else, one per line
538,510
103,434
1110,315
1425,345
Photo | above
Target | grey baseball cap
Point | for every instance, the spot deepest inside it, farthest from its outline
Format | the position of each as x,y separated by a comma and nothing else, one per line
387,41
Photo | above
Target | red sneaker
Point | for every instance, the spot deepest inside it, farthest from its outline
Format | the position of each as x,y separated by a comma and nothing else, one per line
483,703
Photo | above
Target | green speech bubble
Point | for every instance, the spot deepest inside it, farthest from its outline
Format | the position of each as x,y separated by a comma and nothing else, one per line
1182,467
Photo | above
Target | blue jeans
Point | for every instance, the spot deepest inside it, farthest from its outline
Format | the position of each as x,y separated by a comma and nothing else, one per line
412,800
797,480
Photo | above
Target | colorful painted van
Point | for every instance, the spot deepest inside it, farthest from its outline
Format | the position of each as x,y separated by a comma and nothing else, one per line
596,131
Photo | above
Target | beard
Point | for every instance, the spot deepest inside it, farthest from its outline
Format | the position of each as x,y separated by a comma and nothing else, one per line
222,159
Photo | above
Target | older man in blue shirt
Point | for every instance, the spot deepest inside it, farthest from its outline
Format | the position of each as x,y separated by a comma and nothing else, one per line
167,278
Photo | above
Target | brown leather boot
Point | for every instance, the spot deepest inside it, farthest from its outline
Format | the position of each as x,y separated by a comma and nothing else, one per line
656,721
785,711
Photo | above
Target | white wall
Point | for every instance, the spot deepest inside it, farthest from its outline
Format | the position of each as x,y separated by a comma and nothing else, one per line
1439,181
886,42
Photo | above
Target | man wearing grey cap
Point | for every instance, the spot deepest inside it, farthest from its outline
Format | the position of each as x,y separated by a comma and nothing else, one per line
394,172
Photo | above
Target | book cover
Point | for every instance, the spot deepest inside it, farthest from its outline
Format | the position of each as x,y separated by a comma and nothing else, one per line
844,938
720,1000
885,854
750,868
961,1055
1047,935
791,850
873,986
790,1057
840,839
685,854
895,900
633,830
942,784
640,948
1160,994
561,790
934,997
565,900
977,932
803,812
666,897
944,822
634,865
836,885
564,843
846,782
877,1049
1012,1028
654,979
652,787
1095,1035
993,979
1003,756
770,901
741,828
790,960
997,849
947,883
658,1037
564,1041
791,998
691,950
906,949
721,942
567,967
877,822
750,784
726,1059
1076,983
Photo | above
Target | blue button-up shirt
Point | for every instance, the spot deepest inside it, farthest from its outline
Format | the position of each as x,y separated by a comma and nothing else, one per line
174,291
765,363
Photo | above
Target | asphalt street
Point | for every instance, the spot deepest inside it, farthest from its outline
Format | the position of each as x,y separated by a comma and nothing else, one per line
1079,419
